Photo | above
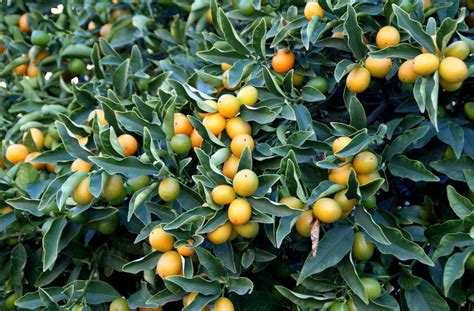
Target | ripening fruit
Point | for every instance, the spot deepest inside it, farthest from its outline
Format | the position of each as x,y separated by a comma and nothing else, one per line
365,162
378,67
339,306
119,13
225,66
138,183
230,166
37,137
452,70
169,264
345,204
119,304
82,194
23,23
214,122
239,143
245,183
80,165
36,54
113,190
182,125
196,139
427,4
319,83
16,153
248,95
223,304
387,36
168,190
470,262
248,230
128,143
186,250
160,240
364,179
228,106
292,202
181,144
358,80
21,69
223,194
237,126
76,66
305,223
327,210
340,174
239,211
220,234
339,144
406,73
425,64
469,110
313,9
40,37
32,71
362,249
50,167
150,309
458,49
100,116
298,79
372,287
449,87
105,29
225,82
283,61
209,16
30,157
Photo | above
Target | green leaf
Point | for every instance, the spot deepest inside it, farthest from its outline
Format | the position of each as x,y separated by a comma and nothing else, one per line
402,50
357,114
258,38
358,143
141,264
461,205
271,83
195,284
211,264
312,94
365,220
240,70
302,300
130,167
343,68
354,34
231,36
453,135
400,143
265,206
51,240
98,292
163,297
453,168
324,189
403,167
451,240
288,30
454,268
25,204
348,272
32,300
240,285
424,297
72,145
414,28
120,77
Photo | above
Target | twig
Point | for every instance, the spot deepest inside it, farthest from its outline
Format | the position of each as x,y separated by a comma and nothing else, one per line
315,237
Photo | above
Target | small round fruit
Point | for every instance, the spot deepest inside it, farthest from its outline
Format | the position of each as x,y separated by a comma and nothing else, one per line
228,106
364,179
245,183
450,87
9,302
239,211
128,143
327,210
169,264
113,190
298,79
214,122
100,116
248,95
138,183
458,49
387,36
372,287
186,250
362,249
313,9
365,162
406,73
80,165
182,125
225,82
168,190
221,234
105,29
225,66
304,223
452,70
37,136
16,153
223,194
237,126
119,304
76,66
340,174
181,144
196,139
470,262
292,202
370,202
160,240
345,204
378,67
40,37
319,83
340,143
240,142
248,230
230,166
82,194
358,80
30,157
339,306
50,167
21,69
246,7
283,61
32,71
469,110
108,225
23,23
223,304
425,64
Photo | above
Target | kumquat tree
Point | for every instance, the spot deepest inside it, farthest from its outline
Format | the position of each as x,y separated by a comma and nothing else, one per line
237,155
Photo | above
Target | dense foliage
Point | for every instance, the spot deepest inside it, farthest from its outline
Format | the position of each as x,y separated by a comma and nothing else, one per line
244,154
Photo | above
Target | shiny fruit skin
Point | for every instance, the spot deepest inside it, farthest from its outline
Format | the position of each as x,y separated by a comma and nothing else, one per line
100,116
378,67
237,126
168,190
365,162
80,165
215,123
113,189
230,166
292,202
283,61
228,106
246,7
406,73
196,139
40,38
458,49
16,153
186,250
358,80
160,240
370,202
245,183
387,36
239,143
169,264
452,70
362,249
372,287
23,23
364,179
76,66
345,204
223,304
21,69
150,309
339,143
248,95
128,143
32,71
313,9
239,211
425,64
50,167
138,183
220,234
298,79
223,194
327,210
181,144
119,304
248,230
319,83
9,302
29,158
37,137
339,306
450,87
104,30
225,66
82,194
108,225
304,223
340,174
182,125
469,110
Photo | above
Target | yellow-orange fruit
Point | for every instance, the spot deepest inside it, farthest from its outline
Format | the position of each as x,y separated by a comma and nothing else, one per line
345,204
182,125
100,116
230,166
224,304
223,194
220,234
458,49
228,106
16,153
313,9
378,67
161,240
339,143
196,139
239,142
292,202
305,223
327,210
406,73
21,69
387,36
245,183
450,87
214,122
364,179
105,29
128,143
30,157
186,250
239,211
237,126
452,70
82,194
358,80
51,167
283,61
425,64
79,165
37,137
365,162
169,264
248,230
340,174
23,23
